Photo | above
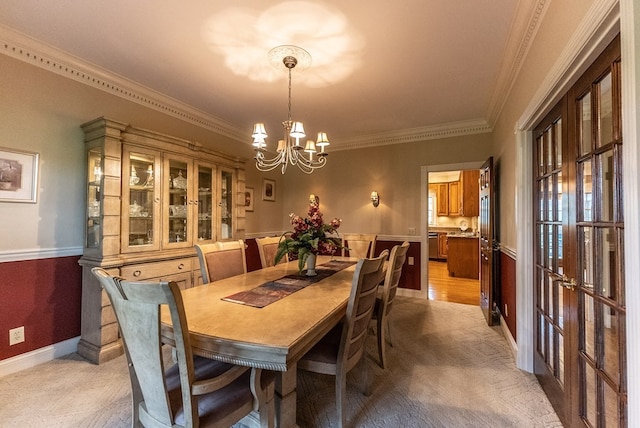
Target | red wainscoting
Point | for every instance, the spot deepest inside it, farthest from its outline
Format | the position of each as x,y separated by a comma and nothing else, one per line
508,291
410,277
44,296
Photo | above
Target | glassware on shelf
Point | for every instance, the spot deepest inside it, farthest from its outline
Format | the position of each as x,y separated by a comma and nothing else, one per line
149,181
180,182
97,172
94,208
134,179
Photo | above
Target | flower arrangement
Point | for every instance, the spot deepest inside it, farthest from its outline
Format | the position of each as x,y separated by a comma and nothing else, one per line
309,236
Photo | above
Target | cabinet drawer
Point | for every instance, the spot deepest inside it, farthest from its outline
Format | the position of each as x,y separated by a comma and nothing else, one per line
155,269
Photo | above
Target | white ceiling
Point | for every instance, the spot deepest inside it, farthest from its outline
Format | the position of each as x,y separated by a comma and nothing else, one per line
379,69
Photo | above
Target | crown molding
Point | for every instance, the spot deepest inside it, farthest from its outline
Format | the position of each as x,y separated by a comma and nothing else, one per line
599,26
24,48
453,129
27,49
524,28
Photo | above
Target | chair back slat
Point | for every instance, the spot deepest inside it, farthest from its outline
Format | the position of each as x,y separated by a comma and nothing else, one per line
392,277
137,309
367,276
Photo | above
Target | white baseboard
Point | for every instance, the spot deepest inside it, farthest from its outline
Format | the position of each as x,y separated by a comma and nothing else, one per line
408,292
39,356
507,334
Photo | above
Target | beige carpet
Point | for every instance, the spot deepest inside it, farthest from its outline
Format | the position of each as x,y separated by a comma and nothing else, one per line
447,369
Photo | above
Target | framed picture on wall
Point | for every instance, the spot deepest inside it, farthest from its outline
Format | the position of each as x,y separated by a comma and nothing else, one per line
268,190
248,199
18,176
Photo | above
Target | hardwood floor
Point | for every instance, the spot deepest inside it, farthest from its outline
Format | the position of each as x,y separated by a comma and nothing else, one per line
449,289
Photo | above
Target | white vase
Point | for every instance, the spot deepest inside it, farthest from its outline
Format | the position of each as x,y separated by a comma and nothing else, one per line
311,265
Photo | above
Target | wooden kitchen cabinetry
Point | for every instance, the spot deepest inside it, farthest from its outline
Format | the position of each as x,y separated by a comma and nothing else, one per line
460,198
443,249
150,198
454,198
464,257
443,198
470,193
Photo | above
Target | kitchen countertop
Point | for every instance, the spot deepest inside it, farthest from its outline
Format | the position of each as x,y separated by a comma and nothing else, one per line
462,235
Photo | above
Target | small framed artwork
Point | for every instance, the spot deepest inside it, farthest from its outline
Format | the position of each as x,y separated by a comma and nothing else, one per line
18,176
268,190
248,199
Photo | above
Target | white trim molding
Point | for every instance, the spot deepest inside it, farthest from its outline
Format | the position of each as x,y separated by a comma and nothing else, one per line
38,253
39,356
630,51
523,31
455,129
39,54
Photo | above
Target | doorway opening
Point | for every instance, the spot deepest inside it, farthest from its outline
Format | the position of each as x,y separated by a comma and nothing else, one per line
450,233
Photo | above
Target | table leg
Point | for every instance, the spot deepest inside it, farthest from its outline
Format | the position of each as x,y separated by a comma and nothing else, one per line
286,398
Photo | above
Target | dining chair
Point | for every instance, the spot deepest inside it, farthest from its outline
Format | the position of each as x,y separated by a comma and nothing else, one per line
359,245
221,260
343,347
192,392
267,247
385,298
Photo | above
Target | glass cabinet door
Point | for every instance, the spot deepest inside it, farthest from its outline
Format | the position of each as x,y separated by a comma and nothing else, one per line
94,199
141,200
226,205
205,202
178,202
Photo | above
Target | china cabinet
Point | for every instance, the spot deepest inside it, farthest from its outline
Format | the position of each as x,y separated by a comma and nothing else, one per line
150,197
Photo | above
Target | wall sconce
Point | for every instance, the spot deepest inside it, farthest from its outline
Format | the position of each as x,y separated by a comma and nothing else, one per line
375,198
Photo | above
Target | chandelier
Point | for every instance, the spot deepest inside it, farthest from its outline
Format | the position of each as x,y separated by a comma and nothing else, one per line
290,150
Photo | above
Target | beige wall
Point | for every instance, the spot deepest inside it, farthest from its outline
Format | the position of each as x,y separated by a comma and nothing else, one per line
560,22
345,184
42,112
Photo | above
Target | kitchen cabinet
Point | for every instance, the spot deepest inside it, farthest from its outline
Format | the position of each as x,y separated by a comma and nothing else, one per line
454,198
443,249
464,257
443,199
150,198
461,197
470,193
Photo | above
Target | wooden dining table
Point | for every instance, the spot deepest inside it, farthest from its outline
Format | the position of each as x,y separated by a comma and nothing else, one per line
273,337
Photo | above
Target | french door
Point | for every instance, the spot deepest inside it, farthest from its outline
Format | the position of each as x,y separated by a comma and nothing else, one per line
580,356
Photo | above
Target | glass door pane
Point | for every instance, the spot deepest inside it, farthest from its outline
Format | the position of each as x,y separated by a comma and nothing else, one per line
94,198
140,200
178,204
205,203
226,205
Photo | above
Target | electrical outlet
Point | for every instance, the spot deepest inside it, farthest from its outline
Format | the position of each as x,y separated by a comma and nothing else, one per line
412,231
410,261
16,335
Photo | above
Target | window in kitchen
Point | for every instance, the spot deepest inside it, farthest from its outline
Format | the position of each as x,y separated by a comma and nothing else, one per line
431,215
